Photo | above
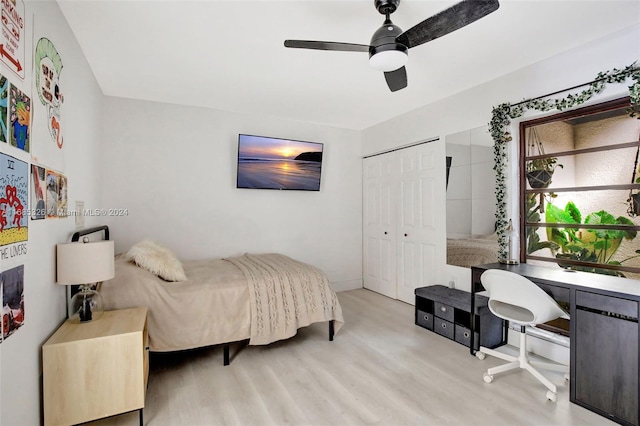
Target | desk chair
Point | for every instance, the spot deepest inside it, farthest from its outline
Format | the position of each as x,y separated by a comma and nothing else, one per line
514,298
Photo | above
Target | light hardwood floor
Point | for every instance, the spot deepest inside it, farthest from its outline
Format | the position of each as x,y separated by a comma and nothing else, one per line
381,369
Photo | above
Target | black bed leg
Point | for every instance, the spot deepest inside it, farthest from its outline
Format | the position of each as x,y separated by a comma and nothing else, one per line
331,331
226,353
141,418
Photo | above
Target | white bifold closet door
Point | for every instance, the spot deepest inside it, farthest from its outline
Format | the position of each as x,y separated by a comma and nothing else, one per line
399,220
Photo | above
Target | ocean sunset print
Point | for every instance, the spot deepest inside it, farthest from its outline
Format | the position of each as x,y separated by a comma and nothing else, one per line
271,163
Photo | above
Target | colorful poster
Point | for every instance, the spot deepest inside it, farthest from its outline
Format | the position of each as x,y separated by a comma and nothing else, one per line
12,35
53,189
62,195
38,204
48,66
12,282
19,118
4,104
14,186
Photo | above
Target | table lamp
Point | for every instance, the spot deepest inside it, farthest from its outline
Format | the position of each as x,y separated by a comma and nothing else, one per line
511,235
85,264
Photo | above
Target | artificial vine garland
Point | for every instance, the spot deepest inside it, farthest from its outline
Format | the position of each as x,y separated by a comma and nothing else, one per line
502,115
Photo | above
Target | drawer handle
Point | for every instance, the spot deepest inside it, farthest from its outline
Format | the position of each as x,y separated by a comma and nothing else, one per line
443,309
426,317
444,325
385,232
466,334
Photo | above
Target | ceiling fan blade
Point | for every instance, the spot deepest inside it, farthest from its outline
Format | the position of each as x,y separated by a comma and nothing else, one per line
397,79
449,20
326,45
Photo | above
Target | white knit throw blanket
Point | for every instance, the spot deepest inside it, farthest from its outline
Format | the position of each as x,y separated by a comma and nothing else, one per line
286,294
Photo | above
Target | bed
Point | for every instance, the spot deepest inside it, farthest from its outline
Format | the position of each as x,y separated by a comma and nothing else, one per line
261,298
467,252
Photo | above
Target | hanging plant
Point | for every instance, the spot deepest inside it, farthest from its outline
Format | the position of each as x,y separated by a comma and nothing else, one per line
540,170
502,115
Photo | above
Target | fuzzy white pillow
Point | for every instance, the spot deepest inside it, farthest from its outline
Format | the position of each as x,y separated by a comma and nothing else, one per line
156,259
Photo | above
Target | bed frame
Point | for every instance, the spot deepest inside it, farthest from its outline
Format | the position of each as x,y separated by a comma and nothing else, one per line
73,289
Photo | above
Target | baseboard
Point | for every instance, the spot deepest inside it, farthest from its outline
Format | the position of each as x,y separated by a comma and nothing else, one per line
346,285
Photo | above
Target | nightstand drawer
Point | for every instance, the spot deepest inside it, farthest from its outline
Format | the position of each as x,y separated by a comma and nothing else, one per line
443,328
443,311
424,319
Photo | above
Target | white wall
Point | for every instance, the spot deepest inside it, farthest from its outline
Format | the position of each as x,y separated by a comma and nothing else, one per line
45,307
472,108
174,169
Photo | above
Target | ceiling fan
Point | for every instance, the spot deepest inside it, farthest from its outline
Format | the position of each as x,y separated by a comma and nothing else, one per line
389,45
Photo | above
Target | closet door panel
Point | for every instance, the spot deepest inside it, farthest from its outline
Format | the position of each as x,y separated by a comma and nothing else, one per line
379,226
417,233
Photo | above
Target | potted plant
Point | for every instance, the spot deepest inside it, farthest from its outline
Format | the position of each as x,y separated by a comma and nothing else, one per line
539,170
596,246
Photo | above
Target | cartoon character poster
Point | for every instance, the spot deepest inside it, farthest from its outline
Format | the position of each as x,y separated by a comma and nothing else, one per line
48,66
38,204
53,189
19,118
12,282
4,103
14,184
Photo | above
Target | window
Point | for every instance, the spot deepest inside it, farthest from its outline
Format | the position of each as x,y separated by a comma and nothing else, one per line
578,174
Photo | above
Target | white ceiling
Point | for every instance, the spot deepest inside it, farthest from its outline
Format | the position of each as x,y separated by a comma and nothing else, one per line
229,55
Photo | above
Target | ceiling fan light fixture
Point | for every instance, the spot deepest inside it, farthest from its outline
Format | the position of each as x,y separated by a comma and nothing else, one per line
389,60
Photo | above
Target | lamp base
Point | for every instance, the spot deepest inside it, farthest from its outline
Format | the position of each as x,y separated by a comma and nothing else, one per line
509,261
86,305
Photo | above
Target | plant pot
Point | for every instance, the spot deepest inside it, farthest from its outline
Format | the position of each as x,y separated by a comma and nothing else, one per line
539,178
634,204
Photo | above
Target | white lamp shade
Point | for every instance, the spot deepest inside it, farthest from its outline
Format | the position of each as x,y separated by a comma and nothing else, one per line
388,60
85,263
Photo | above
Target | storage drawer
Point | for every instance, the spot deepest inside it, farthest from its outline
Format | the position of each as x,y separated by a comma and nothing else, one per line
424,319
443,311
599,302
444,328
463,335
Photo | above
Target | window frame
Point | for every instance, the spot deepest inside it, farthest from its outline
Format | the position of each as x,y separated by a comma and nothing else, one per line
524,190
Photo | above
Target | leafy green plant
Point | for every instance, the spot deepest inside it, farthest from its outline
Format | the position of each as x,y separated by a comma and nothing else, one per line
584,244
548,164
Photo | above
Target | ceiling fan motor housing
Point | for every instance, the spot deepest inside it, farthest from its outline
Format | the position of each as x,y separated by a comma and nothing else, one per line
385,39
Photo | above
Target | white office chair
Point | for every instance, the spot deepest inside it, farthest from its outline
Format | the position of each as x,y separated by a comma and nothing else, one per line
514,298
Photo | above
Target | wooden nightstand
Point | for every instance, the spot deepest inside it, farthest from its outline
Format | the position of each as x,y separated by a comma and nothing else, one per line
96,370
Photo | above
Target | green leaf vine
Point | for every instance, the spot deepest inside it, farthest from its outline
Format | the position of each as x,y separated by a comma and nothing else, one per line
502,115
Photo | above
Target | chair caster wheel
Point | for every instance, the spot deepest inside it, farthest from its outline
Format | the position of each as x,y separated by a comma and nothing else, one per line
488,378
552,396
480,355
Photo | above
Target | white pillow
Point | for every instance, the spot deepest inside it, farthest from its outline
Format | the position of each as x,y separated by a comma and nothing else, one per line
156,259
